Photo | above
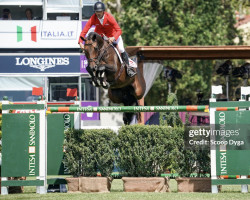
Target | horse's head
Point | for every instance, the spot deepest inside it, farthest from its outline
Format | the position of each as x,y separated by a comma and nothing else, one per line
93,44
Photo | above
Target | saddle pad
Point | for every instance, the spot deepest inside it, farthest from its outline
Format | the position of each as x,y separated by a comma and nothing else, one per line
132,63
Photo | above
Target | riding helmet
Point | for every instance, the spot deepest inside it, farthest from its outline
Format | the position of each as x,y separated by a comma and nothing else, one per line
99,6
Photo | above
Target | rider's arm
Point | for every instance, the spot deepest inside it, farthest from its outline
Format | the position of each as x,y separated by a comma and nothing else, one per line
86,29
116,27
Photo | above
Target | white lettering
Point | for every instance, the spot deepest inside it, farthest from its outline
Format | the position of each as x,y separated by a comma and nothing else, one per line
42,63
223,163
32,164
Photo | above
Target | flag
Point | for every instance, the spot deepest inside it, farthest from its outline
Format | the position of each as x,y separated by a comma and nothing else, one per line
71,92
37,91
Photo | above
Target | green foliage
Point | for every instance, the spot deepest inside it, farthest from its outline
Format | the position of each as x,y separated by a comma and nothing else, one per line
196,159
139,151
146,151
181,23
171,22
90,151
171,118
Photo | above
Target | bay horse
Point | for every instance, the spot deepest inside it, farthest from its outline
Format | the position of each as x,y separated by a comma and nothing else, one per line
107,70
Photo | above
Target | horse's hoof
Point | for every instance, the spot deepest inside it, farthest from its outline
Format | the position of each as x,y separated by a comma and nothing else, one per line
103,74
105,85
93,83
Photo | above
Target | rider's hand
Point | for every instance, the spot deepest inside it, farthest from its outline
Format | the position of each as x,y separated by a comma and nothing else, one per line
111,39
82,46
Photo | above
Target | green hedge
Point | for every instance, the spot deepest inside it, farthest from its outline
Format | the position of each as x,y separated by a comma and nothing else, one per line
196,158
147,151
138,151
90,151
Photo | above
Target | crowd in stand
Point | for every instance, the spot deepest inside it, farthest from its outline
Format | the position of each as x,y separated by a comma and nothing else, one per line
6,14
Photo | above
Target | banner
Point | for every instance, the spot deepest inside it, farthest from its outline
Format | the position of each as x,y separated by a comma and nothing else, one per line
39,34
40,64
90,115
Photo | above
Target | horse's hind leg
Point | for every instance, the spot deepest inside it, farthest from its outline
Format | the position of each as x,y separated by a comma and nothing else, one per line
129,116
115,95
126,97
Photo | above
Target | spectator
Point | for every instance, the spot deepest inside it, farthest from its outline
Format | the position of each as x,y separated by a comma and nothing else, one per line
6,14
29,14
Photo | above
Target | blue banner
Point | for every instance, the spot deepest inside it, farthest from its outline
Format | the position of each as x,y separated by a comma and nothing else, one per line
40,64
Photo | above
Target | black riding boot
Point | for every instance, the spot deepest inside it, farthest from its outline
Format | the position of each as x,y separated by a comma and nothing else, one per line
131,71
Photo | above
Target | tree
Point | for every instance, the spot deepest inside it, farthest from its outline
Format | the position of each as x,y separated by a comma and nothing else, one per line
180,22
171,118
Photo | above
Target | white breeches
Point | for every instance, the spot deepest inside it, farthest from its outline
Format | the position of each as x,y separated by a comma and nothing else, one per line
120,45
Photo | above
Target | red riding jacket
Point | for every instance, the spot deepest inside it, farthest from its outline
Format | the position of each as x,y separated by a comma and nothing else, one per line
110,27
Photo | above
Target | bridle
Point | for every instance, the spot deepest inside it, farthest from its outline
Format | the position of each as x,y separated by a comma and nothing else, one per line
101,53
92,59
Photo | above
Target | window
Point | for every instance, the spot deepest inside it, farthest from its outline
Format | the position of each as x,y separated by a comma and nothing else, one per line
51,9
63,9
88,90
58,88
87,12
18,12
88,8
20,88
17,8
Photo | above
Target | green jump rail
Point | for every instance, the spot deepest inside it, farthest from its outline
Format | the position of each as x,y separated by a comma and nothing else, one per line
191,108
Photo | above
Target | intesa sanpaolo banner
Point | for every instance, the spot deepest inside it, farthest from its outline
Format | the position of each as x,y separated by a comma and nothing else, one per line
39,34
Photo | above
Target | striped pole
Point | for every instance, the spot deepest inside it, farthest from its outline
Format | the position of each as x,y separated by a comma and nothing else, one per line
131,109
227,108
230,176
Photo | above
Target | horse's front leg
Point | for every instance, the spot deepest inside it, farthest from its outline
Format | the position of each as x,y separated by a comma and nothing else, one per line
102,77
94,78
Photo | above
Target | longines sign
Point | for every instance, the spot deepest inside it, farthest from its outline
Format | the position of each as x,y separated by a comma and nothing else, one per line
40,64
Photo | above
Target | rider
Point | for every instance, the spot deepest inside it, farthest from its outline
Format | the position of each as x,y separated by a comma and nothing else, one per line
106,24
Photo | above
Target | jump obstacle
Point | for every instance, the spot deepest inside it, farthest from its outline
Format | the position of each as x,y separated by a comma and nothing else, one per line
28,148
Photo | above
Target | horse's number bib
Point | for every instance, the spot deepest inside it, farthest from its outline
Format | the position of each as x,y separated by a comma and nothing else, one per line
132,63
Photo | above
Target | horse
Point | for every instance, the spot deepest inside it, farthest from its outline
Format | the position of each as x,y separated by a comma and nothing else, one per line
107,70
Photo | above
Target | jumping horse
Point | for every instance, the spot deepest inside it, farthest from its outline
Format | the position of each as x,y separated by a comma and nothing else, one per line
107,70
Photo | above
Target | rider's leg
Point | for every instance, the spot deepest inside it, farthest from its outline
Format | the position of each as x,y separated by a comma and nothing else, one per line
131,71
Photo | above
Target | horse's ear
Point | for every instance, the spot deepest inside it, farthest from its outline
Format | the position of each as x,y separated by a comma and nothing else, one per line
94,37
83,38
